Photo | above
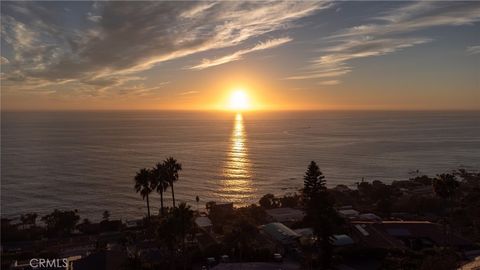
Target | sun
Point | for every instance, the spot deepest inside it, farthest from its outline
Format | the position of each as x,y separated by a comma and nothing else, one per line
239,100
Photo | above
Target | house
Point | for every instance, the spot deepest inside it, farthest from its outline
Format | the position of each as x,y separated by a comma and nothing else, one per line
419,234
223,208
306,236
369,217
133,224
285,215
367,235
280,233
404,234
341,240
348,213
205,240
204,223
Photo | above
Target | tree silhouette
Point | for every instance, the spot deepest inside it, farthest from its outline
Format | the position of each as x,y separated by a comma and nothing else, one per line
160,182
183,218
172,168
143,186
445,186
174,228
197,199
320,214
106,215
242,236
313,181
268,201
61,222
29,219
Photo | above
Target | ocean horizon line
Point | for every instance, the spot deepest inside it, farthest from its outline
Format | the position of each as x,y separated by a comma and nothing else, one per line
243,111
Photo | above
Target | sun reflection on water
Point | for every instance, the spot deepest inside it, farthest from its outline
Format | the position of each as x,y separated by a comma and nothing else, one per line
236,172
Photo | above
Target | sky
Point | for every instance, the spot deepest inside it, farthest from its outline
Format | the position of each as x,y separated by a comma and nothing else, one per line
309,55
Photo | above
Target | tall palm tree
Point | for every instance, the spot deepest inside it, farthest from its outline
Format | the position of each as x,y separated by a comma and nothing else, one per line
160,182
143,185
172,167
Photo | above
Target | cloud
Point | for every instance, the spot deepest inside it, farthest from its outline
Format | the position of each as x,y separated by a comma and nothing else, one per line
197,10
189,93
3,60
388,33
417,16
93,18
206,63
322,72
118,39
473,50
332,82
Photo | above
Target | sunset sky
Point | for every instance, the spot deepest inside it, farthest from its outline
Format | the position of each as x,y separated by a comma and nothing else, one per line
282,55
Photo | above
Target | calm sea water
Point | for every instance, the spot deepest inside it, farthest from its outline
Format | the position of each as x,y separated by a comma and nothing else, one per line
87,160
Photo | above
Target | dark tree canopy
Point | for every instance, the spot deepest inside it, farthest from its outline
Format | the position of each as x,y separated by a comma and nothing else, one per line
61,222
445,186
142,182
313,181
171,170
29,219
143,185
268,201
320,214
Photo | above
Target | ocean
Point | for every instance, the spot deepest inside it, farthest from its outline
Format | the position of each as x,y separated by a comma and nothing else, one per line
87,160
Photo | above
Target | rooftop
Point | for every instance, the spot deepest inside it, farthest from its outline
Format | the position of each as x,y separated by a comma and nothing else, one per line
286,214
280,232
342,240
397,234
203,222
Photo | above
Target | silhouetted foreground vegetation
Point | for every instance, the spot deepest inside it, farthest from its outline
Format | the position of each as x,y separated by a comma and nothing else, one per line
421,223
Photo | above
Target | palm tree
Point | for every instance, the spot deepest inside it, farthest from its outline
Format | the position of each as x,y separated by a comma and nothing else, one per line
172,167
143,185
159,182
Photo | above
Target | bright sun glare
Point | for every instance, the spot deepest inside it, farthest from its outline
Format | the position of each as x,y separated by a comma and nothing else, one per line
239,100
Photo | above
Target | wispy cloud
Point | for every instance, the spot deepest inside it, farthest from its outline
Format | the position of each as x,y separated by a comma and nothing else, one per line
473,49
206,63
389,32
188,93
197,10
93,18
119,39
4,60
331,82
